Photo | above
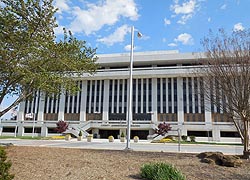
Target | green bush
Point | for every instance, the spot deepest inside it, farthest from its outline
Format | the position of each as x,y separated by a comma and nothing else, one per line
122,134
161,171
4,166
80,133
184,138
192,138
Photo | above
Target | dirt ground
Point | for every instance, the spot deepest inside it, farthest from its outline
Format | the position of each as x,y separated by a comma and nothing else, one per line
41,163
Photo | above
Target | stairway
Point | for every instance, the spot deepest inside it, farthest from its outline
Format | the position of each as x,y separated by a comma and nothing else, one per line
74,129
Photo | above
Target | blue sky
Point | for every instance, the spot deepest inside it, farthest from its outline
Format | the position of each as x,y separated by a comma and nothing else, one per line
165,24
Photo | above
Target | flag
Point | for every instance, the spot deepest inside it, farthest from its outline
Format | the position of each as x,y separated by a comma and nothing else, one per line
29,115
139,35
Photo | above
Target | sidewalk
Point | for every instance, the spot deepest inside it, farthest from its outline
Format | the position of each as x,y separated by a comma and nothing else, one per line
142,145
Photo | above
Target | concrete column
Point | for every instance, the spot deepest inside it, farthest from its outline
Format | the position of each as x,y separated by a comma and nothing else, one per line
208,113
44,131
95,132
180,109
40,115
216,134
61,106
154,100
20,114
20,131
105,114
83,101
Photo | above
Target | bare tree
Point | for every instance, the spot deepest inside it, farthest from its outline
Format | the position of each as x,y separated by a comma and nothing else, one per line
226,78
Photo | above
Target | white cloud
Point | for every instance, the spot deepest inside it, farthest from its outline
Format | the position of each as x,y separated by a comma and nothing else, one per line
184,18
186,10
59,30
172,44
62,5
128,47
238,27
209,19
185,39
223,7
167,21
107,12
117,36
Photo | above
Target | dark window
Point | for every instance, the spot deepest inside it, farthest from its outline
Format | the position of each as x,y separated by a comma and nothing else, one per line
200,133
229,134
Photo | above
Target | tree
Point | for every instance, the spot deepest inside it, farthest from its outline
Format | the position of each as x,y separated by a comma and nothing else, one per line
226,78
30,57
162,129
61,126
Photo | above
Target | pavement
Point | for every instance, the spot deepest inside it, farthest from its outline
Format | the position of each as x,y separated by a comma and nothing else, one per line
142,145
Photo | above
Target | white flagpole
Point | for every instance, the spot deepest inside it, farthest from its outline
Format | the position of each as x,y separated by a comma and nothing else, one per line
33,128
130,113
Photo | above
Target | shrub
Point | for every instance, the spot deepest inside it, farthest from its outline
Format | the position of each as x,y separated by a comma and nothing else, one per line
192,138
161,171
111,138
80,133
163,129
61,126
122,134
165,140
184,137
4,166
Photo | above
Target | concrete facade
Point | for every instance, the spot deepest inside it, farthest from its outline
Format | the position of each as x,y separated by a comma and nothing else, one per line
165,88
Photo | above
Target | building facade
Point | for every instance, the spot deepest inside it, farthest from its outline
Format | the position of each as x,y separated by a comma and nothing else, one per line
165,89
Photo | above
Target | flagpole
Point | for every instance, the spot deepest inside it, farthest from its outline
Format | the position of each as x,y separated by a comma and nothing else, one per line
130,113
33,128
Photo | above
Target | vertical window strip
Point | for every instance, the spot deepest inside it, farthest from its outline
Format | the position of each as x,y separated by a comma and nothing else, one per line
117,95
150,95
161,95
199,94
136,96
102,96
158,95
167,99
184,95
187,94
147,95
190,94
212,96
169,96
48,104
110,95
202,100
123,95
142,95
38,101
175,95
113,95
164,95
95,95
88,96
193,96
196,95
172,94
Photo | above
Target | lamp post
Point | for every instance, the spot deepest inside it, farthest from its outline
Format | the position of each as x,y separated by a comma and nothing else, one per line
130,105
